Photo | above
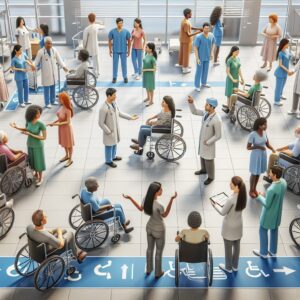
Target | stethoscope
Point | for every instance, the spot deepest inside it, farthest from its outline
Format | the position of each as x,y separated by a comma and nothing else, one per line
208,120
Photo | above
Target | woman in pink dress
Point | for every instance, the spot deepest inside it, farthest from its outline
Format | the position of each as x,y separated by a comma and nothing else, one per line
272,32
65,130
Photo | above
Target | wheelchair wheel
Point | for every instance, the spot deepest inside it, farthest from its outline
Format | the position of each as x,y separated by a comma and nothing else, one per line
170,147
24,265
264,108
178,128
7,217
209,268
70,271
115,238
177,270
292,176
85,97
12,180
246,116
28,182
75,217
150,155
294,230
91,235
49,273
91,79
232,118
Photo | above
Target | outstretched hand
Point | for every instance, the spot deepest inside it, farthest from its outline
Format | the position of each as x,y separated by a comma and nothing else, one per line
174,196
126,196
190,100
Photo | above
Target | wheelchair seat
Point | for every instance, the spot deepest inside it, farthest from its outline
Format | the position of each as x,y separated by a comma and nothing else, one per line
292,160
87,213
161,129
193,253
76,81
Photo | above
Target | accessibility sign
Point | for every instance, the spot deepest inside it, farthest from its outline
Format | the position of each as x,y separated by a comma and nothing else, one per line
129,272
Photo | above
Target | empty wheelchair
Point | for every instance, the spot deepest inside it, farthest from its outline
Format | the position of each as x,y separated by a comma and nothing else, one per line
194,253
14,175
48,267
250,109
93,230
7,217
83,91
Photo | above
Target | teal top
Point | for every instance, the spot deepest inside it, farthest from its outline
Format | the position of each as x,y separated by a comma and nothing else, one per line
270,217
35,129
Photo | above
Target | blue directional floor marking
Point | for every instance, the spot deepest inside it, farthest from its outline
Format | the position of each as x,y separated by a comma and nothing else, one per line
129,272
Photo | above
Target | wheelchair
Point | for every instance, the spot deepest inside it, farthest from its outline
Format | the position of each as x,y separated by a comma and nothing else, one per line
14,175
83,91
167,142
7,217
48,268
250,109
93,230
194,253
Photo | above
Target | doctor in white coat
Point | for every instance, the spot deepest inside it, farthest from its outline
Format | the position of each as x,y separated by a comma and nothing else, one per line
211,131
48,57
296,93
90,41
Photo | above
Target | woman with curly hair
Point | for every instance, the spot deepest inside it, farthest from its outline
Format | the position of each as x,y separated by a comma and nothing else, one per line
215,21
36,132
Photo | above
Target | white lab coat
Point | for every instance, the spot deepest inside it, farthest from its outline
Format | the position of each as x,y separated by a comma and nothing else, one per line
23,35
211,131
296,88
90,38
49,65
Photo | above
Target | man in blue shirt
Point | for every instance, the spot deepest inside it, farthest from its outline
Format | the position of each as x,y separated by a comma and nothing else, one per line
88,195
203,46
119,44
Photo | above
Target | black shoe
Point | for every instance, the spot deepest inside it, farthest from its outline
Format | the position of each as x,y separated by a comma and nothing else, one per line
139,152
226,110
208,181
111,164
125,80
128,230
114,80
117,158
200,172
135,141
267,179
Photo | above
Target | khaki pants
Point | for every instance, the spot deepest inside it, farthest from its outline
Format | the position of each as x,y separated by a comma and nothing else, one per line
232,101
273,158
184,54
208,165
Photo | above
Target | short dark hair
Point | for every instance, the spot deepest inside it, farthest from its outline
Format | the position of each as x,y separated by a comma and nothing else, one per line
259,122
187,11
37,217
277,171
32,111
119,20
83,55
110,92
45,29
205,24
92,17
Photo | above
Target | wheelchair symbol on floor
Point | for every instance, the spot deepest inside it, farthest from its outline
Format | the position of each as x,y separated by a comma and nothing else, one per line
255,271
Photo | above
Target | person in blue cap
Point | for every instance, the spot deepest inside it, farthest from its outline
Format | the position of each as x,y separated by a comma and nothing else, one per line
211,131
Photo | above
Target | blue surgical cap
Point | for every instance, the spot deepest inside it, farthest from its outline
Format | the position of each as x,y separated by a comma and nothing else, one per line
212,101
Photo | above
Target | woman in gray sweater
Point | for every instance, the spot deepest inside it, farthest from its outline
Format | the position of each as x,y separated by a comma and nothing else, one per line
232,227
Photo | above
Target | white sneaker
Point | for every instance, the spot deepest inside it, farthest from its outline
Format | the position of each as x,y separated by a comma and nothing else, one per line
272,254
49,106
283,97
9,203
206,85
137,77
186,70
298,115
234,269
257,253
292,112
298,206
178,66
197,89
223,268
39,183
278,103
216,63
55,103
22,105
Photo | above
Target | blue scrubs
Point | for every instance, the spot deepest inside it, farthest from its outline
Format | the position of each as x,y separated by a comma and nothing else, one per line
21,78
119,50
204,45
281,75
218,33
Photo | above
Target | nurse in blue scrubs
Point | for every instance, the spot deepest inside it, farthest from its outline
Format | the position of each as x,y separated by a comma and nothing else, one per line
282,71
215,21
203,47
44,32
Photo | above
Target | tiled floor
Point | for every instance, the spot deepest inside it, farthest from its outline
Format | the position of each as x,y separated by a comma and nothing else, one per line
134,174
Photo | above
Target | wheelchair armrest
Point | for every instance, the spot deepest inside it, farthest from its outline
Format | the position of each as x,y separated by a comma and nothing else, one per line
265,87
76,195
24,233
178,109
178,116
91,68
290,159
247,84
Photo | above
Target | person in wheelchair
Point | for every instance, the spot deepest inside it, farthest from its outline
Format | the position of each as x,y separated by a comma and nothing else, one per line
88,196
258,77
55,240
195,234
163,119
291,150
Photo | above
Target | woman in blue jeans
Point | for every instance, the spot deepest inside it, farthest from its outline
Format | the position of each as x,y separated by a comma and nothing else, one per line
164,119
19,60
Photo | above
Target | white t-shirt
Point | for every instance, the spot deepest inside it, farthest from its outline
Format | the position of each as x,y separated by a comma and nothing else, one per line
23,36
194,236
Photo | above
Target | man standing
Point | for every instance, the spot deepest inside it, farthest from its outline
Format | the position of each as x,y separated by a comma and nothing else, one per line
203,47
119,44
211,131
186,40
48,57
109,122
90,41
270,217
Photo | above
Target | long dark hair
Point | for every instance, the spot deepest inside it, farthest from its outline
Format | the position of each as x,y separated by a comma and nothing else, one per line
18,21
233,49
153,188
152,47
259,122
242,196
15,50
282,43
215,15
138,21
170,102
45,29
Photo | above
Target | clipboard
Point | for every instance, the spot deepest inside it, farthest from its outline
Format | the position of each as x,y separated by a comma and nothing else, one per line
219,199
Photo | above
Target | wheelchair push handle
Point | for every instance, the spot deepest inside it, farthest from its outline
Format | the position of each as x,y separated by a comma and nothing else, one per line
24,233
76,195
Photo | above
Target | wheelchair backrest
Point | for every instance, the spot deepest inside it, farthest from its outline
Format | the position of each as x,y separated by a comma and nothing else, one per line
256,98
37,251
86,211
3,163
193,253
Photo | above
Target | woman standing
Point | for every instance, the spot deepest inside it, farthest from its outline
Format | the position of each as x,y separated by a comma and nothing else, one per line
296,93
3,90
149,69
271,32
155,228
18,64
233,71
215,20
36,132
282,71
44,32
232,227
138,40
257,143
65,130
